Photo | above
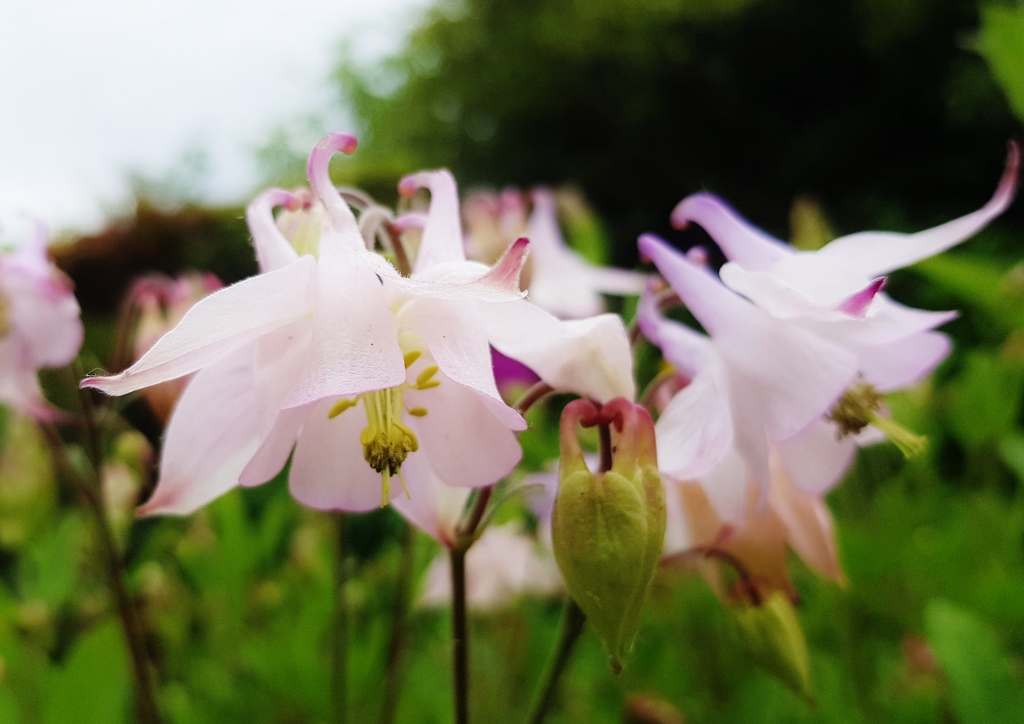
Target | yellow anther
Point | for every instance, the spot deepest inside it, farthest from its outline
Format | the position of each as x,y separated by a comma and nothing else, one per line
417,411
430,384
425,376
909,443
340,406
858,408
368,435
411,357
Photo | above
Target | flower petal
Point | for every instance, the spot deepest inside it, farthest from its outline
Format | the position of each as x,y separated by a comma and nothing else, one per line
590,357
874,253
354,346
272,250
212,434
815,461
739,240
219,324
275,447
329,471
434,508
455,338
442,233
466,443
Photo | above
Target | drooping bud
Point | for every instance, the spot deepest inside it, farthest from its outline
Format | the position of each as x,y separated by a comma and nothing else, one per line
770,632
608,527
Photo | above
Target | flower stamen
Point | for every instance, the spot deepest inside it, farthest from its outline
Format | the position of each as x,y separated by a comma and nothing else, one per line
858,408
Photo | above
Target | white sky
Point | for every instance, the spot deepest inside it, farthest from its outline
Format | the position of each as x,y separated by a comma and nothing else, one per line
93,89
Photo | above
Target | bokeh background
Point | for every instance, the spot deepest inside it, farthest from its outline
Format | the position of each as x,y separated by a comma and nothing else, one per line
813,118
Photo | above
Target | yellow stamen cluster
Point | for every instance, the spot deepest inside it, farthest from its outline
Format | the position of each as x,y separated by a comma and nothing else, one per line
858,408
5,316
386,440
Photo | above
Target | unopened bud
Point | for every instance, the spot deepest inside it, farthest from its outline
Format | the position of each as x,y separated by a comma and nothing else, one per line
608,527
770,632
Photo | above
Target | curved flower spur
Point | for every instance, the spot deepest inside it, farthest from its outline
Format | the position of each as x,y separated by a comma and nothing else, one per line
367,374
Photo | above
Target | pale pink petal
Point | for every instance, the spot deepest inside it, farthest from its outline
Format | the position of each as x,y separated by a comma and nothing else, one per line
19,386
275,447
354,345
442,233
816,460
899,364
220,323
808,527
726,486
856,305
696,430
466,443
212,434
739,240
590,357
272,250
683,348
873,253
434,508
329,471
468,280
455,337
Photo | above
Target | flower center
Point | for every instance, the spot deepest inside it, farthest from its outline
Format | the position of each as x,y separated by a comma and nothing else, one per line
858,408
386,439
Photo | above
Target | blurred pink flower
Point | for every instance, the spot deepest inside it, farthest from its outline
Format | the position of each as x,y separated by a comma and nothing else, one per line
40,325
503,565
161,302
561,280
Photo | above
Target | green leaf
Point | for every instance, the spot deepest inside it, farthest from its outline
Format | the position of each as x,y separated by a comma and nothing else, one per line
986,399
92,686
1001,42
983,686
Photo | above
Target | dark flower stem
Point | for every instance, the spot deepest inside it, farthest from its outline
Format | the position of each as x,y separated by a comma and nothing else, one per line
460,643
569,632
399,628
339,629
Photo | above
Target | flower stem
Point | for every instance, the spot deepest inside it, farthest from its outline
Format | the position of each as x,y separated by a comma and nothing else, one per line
91,498
532,396
399,629
460,644
569,632
339,630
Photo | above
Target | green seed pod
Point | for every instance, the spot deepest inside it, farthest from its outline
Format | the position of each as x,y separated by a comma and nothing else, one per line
608,527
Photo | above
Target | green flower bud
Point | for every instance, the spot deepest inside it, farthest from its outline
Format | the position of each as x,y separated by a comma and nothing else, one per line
608,527
770,632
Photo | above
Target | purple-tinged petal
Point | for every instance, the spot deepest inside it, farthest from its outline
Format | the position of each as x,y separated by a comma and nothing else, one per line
590,357
856,305
342,220
329,471
212,434
220,323
739,240
696,430
873,253
272,250
466,443
470,280
442,234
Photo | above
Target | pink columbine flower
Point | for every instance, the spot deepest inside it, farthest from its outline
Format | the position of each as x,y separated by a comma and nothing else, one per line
755,383
835,292
40,325
368,375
